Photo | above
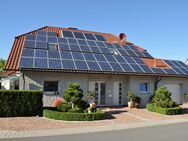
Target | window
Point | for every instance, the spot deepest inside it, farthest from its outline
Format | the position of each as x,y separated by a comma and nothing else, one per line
143,87
120,93
51,86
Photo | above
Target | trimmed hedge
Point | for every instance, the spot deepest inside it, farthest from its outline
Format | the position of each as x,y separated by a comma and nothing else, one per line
53,114
20,103
165,111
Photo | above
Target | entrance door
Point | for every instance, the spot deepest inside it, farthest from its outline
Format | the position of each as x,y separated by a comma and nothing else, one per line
100,88
117,95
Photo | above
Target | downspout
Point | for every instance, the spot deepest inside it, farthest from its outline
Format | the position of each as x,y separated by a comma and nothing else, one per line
23,76
156,83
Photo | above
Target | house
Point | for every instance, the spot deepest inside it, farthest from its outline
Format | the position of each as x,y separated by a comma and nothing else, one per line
9,80
51,57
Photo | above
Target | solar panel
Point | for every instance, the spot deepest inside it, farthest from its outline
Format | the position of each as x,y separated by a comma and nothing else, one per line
146,69
105,66
41,53
26,62
52,39
93,66
147,54
138,60
122,52
99,57
72,41
66,55
42,45
68,64
140,54
85,48
29,44
179,71
95,49
129,59
132,47
28,52
185,70
81,65
110,58
89,56
105,50
54,34
53,54
120,59
55,64
169,63
77,56
40,63
116,67
158,70
62,40
117,45
169,71
91,43
67,34
82,42
101,44
74,47
109,45
89,36
131,53
182,64
41,38
99,37
41,33
30,37
64,47
78,35
136,68
126,67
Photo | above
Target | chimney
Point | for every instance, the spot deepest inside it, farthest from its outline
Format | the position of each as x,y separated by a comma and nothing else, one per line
122,37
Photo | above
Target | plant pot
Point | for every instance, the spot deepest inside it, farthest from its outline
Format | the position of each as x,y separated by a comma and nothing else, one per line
92,105
131,104
137,105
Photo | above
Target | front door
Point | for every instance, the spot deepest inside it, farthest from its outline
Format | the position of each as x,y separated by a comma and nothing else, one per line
117,95
100,88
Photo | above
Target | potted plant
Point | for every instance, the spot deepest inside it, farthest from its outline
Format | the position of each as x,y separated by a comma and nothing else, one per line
91,96
131,99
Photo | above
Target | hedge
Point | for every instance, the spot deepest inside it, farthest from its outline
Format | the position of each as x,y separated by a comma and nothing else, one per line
20,103
165,111
53,114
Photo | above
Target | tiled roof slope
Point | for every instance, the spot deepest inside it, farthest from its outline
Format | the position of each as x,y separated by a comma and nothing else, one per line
14,56
17,48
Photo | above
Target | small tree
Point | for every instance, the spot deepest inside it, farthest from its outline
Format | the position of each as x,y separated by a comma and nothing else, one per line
91,95
73,94
163,98
131,96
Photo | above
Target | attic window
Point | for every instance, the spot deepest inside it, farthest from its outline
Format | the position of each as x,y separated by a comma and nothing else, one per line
53,46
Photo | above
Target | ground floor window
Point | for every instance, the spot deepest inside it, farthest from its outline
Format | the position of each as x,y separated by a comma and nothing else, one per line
51,86
144,87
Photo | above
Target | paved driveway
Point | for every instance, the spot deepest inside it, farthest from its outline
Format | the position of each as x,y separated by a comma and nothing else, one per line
115,116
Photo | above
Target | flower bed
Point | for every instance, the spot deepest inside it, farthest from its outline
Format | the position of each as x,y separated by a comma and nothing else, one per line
67,116
165,111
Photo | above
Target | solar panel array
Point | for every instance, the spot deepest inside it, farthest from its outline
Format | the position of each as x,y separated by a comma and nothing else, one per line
82,51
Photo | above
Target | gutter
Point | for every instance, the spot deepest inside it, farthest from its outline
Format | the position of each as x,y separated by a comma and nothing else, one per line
156,83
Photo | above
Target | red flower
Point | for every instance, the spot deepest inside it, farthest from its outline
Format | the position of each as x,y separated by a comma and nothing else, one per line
57,102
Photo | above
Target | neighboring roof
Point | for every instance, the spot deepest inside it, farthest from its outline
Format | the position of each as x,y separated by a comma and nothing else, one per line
7,73
136,60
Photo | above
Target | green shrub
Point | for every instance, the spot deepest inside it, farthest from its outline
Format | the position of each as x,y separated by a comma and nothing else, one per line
63,107
20,103
82,104
165,111
75,110
163,98
131,96
99,115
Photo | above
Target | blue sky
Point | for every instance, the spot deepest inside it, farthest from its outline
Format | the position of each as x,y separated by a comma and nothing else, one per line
160,26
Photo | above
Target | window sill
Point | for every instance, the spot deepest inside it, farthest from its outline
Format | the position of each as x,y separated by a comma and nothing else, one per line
144,92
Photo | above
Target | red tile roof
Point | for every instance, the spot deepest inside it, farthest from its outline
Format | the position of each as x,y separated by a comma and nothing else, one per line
155,63
14,56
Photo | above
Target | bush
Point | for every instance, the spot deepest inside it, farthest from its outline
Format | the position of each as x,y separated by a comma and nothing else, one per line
82,104
63,107
75,110
20,103
131,96
73,116
165,111
163,98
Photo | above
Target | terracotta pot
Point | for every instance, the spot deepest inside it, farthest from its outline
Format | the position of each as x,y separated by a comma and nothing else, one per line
131,105
92,105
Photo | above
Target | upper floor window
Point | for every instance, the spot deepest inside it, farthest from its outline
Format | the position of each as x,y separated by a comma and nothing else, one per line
144,87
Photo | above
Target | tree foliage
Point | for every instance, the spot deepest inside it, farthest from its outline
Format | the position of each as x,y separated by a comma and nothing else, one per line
73,93
2,64
163,98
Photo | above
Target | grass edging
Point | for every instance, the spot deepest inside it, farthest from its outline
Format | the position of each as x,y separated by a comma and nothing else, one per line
53,114
165,111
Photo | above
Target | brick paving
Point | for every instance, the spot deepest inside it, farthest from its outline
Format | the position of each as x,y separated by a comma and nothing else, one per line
118,116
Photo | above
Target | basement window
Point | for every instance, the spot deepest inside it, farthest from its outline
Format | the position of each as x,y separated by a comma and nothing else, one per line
51,86
144,87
